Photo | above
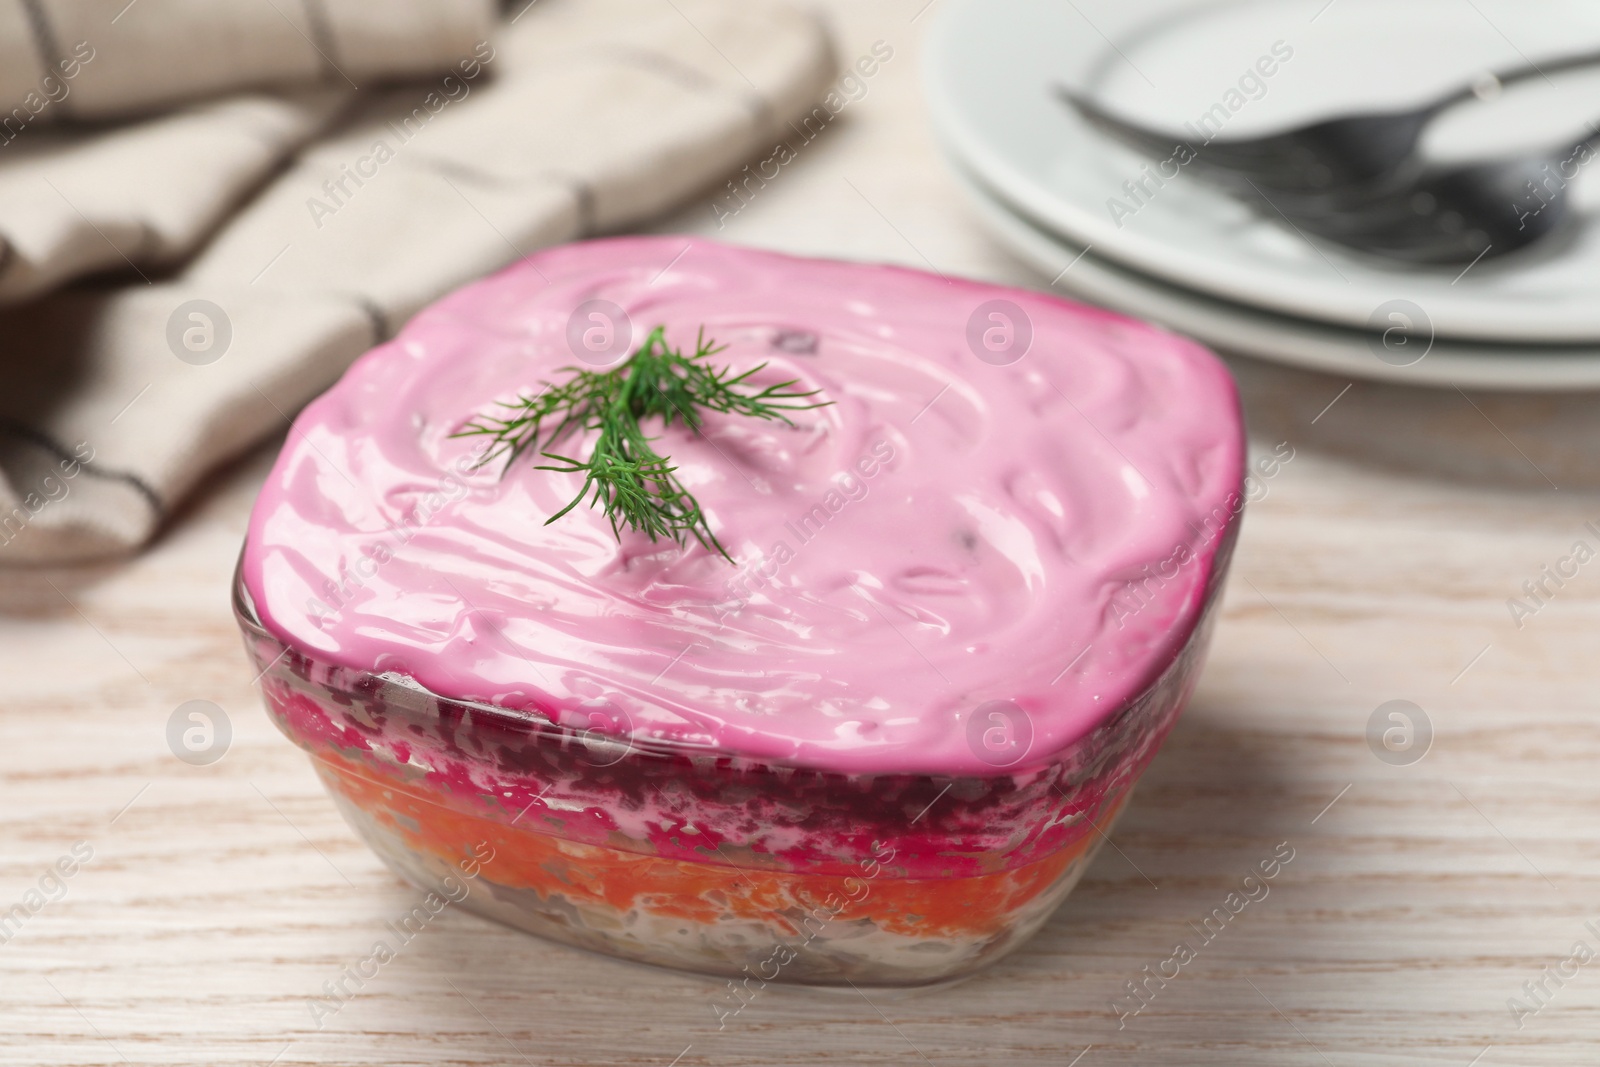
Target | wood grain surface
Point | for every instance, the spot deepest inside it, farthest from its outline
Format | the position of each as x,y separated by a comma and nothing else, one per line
1377,567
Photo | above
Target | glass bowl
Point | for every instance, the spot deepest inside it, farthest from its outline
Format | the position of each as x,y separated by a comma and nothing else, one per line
710,862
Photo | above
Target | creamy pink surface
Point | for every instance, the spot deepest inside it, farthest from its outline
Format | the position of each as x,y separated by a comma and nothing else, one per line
947,533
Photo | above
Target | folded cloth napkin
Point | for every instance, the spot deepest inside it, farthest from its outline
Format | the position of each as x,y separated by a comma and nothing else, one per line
99,59
326,217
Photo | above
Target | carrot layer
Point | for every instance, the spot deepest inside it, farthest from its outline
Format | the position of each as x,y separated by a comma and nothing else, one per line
596,876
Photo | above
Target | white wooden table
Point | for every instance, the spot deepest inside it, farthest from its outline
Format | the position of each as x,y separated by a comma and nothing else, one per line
218,899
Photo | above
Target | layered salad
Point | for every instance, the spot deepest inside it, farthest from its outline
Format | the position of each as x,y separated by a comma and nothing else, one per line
850,695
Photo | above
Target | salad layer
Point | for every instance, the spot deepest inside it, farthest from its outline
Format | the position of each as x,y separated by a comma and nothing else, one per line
1000,530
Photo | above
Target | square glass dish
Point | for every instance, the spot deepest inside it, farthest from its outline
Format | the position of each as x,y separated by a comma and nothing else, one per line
712,863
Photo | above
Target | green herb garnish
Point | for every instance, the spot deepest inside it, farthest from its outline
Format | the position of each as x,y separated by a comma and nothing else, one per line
632,483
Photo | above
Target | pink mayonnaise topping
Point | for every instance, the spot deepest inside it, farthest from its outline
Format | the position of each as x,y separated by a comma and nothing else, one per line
951,531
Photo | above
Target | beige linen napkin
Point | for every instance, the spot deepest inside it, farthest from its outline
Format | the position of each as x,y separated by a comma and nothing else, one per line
573,119
98,59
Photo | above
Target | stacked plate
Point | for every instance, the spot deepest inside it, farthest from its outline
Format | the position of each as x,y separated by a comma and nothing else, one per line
1140,235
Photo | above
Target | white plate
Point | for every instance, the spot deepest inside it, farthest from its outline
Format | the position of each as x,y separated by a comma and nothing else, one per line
1299,342
991,65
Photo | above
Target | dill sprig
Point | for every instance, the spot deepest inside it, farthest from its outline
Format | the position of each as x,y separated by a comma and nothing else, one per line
632,483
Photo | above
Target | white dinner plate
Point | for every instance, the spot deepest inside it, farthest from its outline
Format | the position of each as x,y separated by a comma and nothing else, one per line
992,64
1300,342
